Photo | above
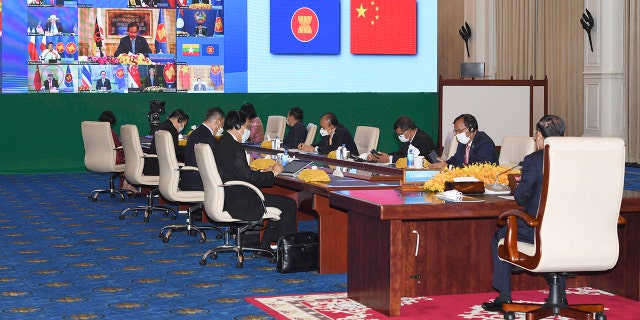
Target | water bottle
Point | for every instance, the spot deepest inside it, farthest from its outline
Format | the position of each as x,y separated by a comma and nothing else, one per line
277,143
285,157
410,158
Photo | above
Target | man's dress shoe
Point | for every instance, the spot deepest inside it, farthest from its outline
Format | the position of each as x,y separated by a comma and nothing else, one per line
495,305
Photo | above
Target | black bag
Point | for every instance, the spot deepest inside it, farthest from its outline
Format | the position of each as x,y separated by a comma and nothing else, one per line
298,252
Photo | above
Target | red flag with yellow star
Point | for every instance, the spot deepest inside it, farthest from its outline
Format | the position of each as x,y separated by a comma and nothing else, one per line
183,77
383,26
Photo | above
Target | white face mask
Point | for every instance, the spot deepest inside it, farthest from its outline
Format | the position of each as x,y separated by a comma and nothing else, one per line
402,138
323,132
245,135
180,129
219,132
462,138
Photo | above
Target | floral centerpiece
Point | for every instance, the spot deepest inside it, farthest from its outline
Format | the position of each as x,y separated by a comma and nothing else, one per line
485,172
84,87
103,60
153,89
138,59
200,6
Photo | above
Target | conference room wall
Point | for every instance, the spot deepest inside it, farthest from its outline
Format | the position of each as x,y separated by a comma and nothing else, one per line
42,131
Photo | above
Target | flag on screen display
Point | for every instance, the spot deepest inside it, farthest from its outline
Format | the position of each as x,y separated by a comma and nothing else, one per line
97,36
134,76
191,49
210,50
37,80
86,77
43,45
180,20
383,26
305,27
215,74
33,52
169,73
120,77
184,77
161,34
68,78
218,26
172,3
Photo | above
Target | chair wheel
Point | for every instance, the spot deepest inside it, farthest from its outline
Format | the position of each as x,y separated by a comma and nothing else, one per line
112,195
93,199
202,240
121,217
272,261
192,233
173,217
600,316
238,264
214,255
219,236
166,213
135,213
165,239
509,316
146,219
202,262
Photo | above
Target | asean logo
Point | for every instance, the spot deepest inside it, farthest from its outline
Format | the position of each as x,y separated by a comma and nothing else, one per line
60,47
210,49
120,73
71,48
304,24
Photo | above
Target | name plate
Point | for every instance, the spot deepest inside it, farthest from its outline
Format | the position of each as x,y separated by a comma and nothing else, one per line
417,176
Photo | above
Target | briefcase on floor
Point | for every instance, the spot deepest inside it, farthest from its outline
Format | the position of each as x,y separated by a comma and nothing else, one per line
298,252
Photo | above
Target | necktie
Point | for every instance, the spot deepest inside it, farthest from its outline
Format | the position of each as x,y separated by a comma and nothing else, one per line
466,154
50,84
133,46
330,139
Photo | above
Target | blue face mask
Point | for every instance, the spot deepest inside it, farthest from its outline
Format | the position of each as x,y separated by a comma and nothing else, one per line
245,135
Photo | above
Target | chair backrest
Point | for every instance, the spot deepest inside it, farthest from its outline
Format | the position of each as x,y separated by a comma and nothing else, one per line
169,169
275,127
213,190
133,155
580,204
450,146
366,138
514,149
99,147
311,133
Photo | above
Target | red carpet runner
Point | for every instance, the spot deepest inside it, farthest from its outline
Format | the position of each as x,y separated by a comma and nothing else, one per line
462,306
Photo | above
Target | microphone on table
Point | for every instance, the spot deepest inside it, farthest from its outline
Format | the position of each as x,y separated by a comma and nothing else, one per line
499,188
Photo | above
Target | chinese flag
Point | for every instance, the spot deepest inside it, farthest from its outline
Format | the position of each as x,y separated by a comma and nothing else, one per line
184,77
383,26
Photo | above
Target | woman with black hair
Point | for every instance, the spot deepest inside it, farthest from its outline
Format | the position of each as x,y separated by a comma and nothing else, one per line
256,132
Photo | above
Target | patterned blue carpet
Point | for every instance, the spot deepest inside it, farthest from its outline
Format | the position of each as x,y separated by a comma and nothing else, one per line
64,257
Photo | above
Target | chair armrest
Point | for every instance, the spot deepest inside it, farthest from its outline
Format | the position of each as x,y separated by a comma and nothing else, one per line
149,155
246,184
528,219
510,218
180,164
188,168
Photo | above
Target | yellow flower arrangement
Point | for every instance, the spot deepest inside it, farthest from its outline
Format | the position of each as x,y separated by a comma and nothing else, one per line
484,172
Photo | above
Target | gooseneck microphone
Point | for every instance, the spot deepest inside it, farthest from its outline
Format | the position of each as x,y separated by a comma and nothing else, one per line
500,188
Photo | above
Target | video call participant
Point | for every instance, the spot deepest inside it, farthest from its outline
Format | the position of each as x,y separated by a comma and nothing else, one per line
174,124
527,194
334,135
49,53
200,30
53,26
153,80
411,137
132,42
257,129
232,164
51,83
298,132
205,133
103,83
473,146
199,86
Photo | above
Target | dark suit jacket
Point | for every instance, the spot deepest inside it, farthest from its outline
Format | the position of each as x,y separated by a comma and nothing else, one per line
421,140
190,180
107,84
232,165
125,46
200,87
529,189
157,81
482,150
151,166
54,83
296,135
200,31
340,136
47,26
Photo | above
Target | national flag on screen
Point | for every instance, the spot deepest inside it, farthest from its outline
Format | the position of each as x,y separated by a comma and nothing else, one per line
161,34
180,20
97,36
191,49
86,76
184,77
43,44
182,3
37,80
218,26
305,27
134,76
33,52
210,50
169,73
383,26
172,3
120,80
215,74
68,78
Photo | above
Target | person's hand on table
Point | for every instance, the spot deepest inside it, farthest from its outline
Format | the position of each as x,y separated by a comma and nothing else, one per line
380,157
438,165
306,148
276,168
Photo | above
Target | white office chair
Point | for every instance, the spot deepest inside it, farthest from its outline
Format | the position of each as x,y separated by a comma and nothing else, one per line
100,156
214,206
311,133
576,228
450,146
134,164
366,138
275,127
168,184
514,149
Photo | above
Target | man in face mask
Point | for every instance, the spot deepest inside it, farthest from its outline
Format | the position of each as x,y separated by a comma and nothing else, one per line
298,132
334,135
411,137
473,146
232,165
174,124
208,132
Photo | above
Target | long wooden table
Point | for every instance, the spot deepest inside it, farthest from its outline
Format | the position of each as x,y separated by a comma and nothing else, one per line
453,253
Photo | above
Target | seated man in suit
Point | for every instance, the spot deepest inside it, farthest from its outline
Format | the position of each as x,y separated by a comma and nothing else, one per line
175,123
103,83
132,42
205,133
334,135
473,146
51,83
411,137
298,132
200,30
232,164
527,194
49,53
199,86
152,80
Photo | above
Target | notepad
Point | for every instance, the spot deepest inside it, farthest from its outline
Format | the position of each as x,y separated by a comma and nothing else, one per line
293,168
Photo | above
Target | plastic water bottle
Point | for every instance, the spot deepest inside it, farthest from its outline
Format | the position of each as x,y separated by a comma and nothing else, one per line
277,143
410,159
285,158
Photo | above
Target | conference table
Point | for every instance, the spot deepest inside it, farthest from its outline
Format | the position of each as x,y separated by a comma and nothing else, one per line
410,244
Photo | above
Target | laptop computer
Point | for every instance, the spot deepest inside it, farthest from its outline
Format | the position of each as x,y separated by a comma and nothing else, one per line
293,168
